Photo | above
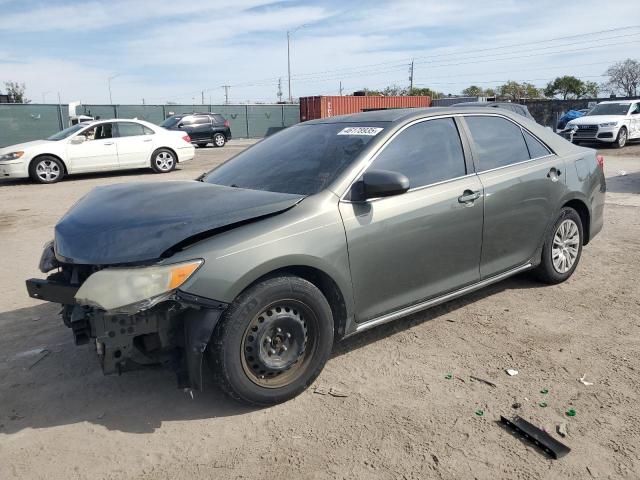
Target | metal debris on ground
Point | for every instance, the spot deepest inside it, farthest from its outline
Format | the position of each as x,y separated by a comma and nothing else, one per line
511,371
516,405
482,380
543,440
562,429
584,382
44,353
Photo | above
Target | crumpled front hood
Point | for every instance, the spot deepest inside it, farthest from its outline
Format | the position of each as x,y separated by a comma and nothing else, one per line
138,222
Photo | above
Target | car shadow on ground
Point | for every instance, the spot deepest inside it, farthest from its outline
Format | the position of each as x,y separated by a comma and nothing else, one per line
88,176
47,381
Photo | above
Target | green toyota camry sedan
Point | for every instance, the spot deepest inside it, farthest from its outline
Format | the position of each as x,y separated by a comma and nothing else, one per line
319,232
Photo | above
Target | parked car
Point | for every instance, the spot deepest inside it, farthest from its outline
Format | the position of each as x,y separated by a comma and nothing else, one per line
96,147
614,122
203,128
319,232
512,107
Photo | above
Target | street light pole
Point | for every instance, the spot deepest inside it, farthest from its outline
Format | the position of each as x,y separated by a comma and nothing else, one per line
289,33
109,83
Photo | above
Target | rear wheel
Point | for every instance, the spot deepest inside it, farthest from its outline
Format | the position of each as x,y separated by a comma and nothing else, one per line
219,140
273,341
562,248
621,139
163,160
46,169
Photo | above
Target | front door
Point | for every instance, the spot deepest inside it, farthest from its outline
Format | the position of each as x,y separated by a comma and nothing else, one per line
97,153
634,121
422,243
523,184
135,144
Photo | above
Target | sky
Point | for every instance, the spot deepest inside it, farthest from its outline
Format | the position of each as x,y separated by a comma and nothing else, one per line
165,50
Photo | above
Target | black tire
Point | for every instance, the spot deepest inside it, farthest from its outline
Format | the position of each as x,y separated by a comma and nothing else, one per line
622,138
163,160
202,145
242,345
547,271
46,169
219,140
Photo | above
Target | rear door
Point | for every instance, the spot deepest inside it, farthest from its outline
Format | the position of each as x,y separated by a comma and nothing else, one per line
200,129
98,152
523,184
135,144
634,121
425,242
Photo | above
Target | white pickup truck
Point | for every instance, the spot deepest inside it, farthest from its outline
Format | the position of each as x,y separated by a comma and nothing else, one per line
613,122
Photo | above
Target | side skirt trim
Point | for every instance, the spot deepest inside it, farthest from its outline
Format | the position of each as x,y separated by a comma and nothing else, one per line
389,317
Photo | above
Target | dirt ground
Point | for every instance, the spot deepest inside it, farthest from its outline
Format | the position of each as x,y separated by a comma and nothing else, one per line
401,419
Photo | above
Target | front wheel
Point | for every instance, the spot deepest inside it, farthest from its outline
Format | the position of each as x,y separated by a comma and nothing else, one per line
163,160
621,139
46,169
219,140
562,248
273,341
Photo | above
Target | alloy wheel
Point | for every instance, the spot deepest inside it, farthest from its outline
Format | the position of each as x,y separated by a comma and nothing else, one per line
219,140
164,161
566,243
622,138
48,171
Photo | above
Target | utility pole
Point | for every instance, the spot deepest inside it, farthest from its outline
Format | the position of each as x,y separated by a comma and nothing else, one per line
411,78
203,97
226,93
289,33
340,87
109,84
143,101
280,90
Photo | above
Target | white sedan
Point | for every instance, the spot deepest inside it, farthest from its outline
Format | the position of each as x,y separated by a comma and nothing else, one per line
97,146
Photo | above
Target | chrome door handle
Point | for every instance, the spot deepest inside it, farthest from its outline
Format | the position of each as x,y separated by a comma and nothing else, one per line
468,196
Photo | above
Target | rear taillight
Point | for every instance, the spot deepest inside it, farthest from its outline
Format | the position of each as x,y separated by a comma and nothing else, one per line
187,138
600,160
226,123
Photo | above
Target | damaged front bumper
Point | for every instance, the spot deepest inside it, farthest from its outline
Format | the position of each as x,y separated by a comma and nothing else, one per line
174,333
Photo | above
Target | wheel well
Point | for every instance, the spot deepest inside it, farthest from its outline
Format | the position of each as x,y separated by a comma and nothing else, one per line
64,165
325,284
165,148
583,211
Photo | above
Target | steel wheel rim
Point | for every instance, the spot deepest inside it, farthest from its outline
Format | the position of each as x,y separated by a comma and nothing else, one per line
262,356
566,245
164,161
48,170
219,139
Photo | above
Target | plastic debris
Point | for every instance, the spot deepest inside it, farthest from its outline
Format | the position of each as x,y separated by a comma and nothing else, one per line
321,390
511,371
543,404
480,412
334,392
544,391
584,382
188,391
540,438
562,429
622,173
448,376
516,405
571,412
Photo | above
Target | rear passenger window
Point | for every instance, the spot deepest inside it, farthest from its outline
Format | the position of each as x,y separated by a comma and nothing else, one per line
130,129
218,118
498,142
201,119
536,149
427,152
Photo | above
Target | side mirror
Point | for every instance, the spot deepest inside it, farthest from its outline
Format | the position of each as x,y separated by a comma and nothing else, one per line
78,139
380,183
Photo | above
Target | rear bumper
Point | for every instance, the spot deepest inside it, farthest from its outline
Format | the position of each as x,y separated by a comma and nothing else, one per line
186,153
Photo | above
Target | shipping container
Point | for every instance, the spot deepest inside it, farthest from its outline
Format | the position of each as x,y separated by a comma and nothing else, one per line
312,108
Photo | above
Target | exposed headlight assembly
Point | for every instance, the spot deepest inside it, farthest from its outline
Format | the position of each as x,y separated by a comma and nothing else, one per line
11,156
130,290
609,124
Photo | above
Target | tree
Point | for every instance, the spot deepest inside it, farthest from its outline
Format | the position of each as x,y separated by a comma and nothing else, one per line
473,91
15,91
425,91
624,77
566,86
590,90
515,91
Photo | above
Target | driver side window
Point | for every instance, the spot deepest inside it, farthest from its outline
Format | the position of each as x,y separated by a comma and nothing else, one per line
635,110
98,132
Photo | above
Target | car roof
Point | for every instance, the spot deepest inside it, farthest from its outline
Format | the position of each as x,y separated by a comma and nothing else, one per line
619,101
404,114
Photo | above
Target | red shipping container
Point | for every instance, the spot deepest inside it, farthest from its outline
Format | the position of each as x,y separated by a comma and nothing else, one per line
312,108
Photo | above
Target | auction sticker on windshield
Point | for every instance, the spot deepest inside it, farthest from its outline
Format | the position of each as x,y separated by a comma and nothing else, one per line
369,131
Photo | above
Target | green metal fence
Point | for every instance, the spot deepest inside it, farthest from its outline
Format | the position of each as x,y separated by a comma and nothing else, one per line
22,123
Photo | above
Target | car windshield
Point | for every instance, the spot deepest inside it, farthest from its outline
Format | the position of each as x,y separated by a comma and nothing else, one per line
303,159
170,122
67,132
610,109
